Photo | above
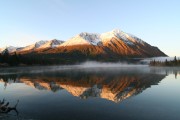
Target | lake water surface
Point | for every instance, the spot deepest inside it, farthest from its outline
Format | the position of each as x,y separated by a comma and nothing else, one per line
91,93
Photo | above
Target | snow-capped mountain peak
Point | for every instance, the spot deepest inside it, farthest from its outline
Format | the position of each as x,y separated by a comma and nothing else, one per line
86,38
51,44
119,34
40,43
55,43
92,38
34,46
116,31
125,37
10,49
83,38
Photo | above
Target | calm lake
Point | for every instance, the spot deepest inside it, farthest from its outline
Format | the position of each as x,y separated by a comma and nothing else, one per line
91,93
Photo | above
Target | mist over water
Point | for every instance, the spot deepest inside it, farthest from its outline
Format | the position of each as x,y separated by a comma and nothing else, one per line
86,66
92,64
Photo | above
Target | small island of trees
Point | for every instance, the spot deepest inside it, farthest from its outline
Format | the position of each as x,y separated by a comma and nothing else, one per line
175,62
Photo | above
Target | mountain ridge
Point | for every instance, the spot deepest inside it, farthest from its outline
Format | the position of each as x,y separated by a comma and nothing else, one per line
113,45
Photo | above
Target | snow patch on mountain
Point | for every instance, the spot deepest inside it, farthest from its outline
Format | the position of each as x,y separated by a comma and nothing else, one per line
121,35
55,43
83,38
10,49
92,38
127,38
52,44
116,33
136,39
40,43
34,46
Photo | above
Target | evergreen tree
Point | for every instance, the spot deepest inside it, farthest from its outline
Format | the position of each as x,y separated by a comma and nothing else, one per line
154,62
166,62
5,56
14,60
1,58
175,60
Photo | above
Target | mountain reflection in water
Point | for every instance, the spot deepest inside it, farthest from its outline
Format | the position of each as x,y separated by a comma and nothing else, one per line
114,86
47,93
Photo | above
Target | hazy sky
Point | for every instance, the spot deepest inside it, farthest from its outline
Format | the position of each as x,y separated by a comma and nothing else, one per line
157,22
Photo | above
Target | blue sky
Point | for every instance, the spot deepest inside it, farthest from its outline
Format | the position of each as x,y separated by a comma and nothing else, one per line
24,22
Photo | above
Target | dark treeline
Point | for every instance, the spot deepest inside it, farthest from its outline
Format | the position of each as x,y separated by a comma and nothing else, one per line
11,60
75,57
174,62
15,59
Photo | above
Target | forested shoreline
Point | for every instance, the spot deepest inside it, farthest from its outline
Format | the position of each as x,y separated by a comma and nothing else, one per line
175,62
34,59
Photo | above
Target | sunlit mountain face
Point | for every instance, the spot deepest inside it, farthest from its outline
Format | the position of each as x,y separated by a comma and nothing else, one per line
115,42
113,86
